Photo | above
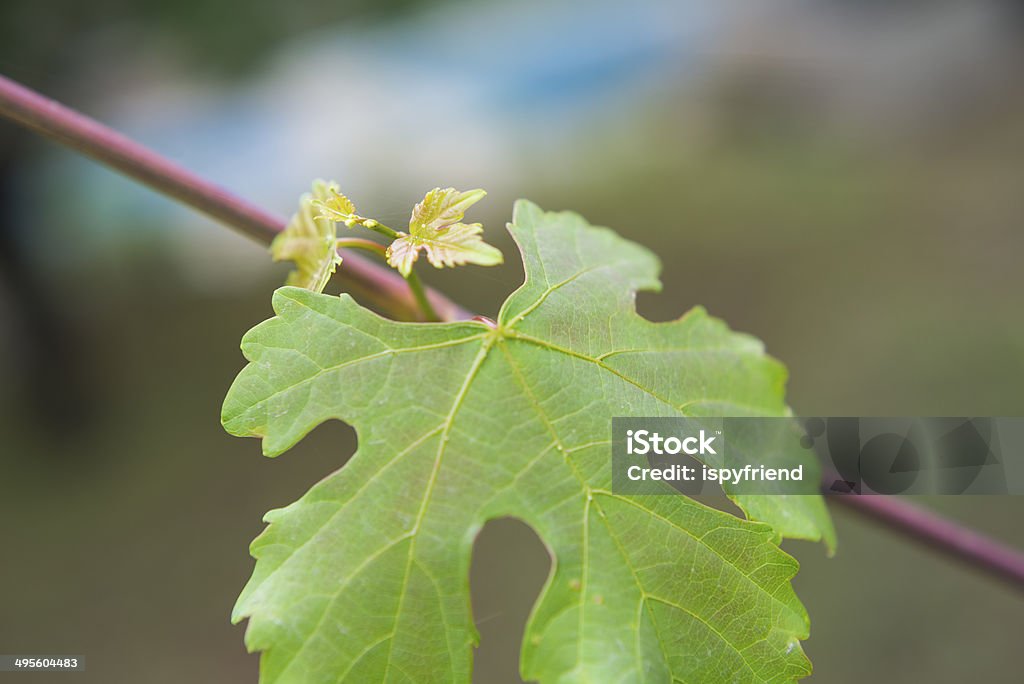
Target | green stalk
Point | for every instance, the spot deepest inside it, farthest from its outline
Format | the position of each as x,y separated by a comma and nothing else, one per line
421,297
363,244
419,293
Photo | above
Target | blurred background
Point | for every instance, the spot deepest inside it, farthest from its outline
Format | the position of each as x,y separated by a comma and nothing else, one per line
844,180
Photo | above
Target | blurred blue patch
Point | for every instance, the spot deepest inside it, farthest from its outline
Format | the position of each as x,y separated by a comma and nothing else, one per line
461,84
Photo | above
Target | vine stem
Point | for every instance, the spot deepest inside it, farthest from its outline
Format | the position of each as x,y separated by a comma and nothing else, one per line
940,534
413,279
377,284
390,291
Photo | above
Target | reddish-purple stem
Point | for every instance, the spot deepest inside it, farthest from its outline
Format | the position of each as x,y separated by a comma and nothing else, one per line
53,120
945,536
389,290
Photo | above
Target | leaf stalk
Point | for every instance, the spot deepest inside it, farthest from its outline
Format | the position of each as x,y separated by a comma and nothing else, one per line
363,244
416,286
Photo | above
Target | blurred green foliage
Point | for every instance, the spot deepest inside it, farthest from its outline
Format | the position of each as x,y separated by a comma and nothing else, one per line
39,40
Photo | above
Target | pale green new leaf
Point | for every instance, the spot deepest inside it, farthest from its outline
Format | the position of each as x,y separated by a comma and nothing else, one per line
309,241
365,579
337,208
459,244
440,209
435,228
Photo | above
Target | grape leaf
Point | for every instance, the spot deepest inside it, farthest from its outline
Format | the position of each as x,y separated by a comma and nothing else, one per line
365,578
435,227
309,241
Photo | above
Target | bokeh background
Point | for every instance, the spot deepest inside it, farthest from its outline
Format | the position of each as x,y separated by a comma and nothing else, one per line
844,180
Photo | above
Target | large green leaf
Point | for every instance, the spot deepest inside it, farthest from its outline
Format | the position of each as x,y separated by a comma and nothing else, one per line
365,579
